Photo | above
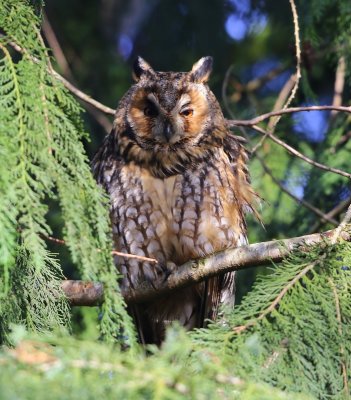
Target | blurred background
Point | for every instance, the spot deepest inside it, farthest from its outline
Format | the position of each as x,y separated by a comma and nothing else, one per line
94,44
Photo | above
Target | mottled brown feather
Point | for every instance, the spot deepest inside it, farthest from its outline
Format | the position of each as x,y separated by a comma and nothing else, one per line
175,197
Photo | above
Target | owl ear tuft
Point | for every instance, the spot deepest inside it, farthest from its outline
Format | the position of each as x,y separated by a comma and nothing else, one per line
141,68
201,70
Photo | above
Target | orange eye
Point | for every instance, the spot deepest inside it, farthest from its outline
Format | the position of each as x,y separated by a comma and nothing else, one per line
150,111
188,112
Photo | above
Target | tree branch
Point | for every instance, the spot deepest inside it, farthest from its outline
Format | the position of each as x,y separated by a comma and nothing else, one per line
296,153
293,81
302,201
68,85
195,271
263,117
339,208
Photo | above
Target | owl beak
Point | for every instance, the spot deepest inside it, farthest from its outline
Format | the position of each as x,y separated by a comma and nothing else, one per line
168,133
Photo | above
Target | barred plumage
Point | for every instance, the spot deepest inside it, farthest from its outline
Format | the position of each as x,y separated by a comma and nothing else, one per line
179,186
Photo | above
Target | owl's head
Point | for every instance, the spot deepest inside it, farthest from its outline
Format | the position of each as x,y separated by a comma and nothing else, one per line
168,120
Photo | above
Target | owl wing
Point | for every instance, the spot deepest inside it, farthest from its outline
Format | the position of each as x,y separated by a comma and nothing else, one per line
234,147
220,290
106,161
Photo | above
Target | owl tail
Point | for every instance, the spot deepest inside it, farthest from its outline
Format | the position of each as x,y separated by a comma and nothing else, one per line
192,307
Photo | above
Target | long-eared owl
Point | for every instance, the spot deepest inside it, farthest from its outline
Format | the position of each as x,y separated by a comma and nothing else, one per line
179,187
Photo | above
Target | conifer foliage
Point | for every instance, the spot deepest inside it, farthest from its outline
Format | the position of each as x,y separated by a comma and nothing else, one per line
42,157
293,328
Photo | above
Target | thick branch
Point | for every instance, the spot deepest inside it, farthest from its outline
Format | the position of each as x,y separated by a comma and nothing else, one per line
82,293
195,271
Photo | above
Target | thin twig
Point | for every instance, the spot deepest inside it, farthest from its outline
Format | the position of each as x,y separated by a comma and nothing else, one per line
81,95
296,153
260,118
332,213
281,98
297,52
65,68
295,78
53,239
284,93
113,252
256,83
341,142
309,206
141,258
55,47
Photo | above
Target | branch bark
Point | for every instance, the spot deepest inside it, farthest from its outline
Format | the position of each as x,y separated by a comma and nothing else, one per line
195,271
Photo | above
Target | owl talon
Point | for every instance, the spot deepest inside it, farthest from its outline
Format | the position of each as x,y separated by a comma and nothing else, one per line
164,270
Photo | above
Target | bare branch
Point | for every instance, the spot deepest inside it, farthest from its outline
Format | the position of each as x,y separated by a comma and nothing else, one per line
297,52
196,271
296,153
263,117
287,88
81,95
56,48
332,213
113,252
62,62
279,103
291,85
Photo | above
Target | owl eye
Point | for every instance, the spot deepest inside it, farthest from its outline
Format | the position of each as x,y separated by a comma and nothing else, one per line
150,110
188,112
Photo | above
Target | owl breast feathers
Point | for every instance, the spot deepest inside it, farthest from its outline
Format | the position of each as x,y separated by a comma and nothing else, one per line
179,186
